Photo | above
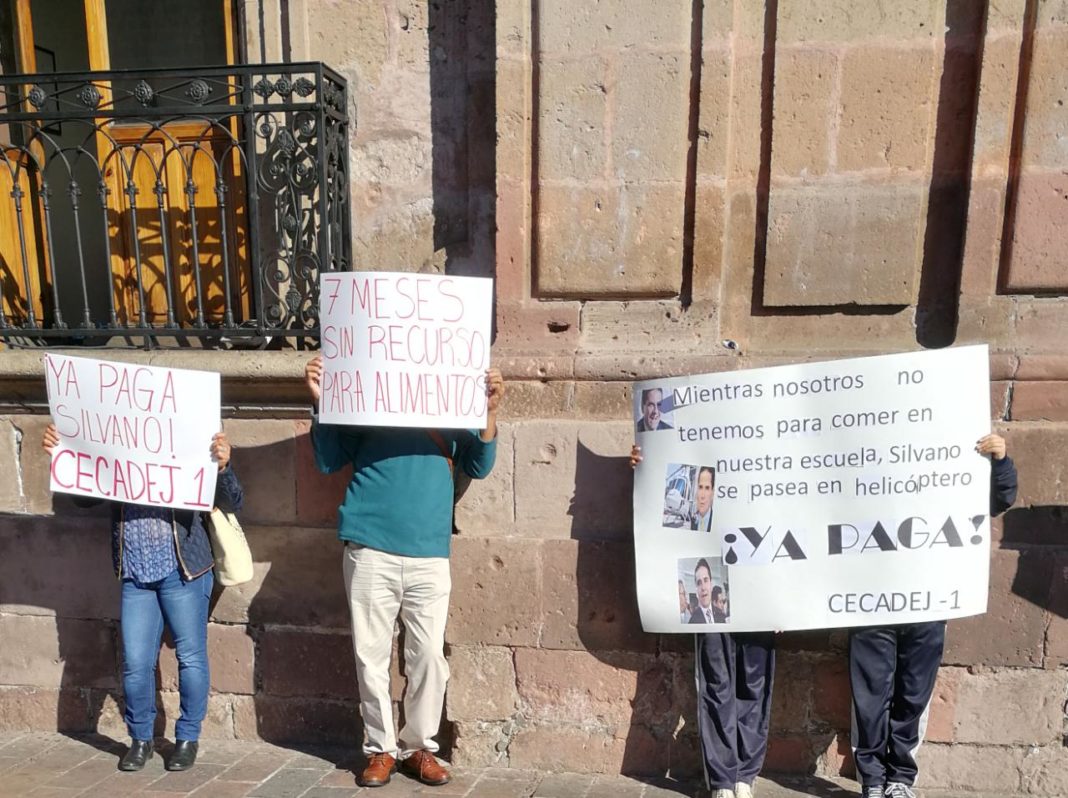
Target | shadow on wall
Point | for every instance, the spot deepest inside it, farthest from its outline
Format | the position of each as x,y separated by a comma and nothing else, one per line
1040,535
937,301
810,715
660,737
463,118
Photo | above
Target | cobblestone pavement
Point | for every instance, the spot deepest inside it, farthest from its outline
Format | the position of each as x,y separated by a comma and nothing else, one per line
55,766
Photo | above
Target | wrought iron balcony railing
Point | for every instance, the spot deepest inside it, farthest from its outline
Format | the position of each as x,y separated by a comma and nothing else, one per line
171,203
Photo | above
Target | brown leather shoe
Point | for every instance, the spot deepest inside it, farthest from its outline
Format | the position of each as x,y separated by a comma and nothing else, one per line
379,767
423,766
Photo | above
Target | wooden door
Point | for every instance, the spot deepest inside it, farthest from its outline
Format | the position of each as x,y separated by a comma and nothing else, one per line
177,243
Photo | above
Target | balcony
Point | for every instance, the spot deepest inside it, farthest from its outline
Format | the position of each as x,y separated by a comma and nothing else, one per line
171,206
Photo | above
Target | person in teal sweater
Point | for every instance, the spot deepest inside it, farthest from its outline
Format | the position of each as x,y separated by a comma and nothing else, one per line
396,524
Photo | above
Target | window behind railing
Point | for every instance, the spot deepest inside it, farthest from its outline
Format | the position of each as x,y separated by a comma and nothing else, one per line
171,203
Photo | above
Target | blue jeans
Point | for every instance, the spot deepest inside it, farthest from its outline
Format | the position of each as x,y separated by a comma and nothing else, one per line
183,606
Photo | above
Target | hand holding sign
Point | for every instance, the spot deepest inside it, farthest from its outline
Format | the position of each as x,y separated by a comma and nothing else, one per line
313,376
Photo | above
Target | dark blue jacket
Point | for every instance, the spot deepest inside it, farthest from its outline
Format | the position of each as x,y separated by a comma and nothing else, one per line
190,533
1002,485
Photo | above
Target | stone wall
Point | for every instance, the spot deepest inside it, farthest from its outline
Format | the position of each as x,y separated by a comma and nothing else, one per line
678,187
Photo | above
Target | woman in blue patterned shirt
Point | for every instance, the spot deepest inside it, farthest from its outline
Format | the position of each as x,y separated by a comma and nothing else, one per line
164,560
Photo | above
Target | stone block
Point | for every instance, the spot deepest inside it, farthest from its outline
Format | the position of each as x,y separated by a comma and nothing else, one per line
541,327
573,28
572,103
588,597
34,464
610,239
481,744
831,698
218,722
231,660
796,753
487,506
304,721
853,244
942,718
1039,233
352,34
986,769
264,460
298,662
482,684
573,479
650,117
25,709
1045,771
1040,325
10,443
1012,632
318,495
496,592
1045,145
1057,635
602,401
1041,367
714,113
1010,707
51,566
513,118
1040,401
297,581
792,698
708,244
46,651
648,326
530,399
997,99
1036,450
999,400
650,365
849,22
804,114
885,100
580,688
566,749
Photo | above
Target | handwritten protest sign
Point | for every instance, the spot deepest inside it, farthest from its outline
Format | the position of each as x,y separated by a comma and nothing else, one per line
132,433
404,350
845,493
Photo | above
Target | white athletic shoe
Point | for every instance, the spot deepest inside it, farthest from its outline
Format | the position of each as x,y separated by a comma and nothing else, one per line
895,789
743,790
874,791
722,793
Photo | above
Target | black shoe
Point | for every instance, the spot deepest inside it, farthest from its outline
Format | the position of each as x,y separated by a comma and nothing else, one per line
139,753
185,754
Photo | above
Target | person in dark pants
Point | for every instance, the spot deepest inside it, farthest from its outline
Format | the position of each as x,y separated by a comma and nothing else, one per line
164,561
734,674
892,672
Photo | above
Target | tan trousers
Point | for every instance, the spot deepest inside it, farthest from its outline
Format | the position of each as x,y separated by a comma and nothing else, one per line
382,586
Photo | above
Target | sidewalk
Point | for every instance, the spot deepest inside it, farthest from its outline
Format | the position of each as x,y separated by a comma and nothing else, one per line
55,766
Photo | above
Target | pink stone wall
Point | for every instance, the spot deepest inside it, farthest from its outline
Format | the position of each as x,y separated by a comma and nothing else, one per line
808,180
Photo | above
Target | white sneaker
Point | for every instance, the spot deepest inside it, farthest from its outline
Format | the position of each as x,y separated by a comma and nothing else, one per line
722,793
895,789
874,791
743,790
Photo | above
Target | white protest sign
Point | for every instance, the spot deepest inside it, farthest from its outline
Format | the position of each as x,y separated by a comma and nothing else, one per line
845,493
404,350
132,433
